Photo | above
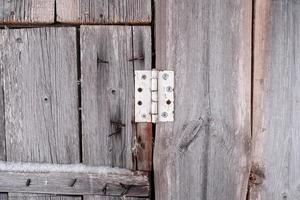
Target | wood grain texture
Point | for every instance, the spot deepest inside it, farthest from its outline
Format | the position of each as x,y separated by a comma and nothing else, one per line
205,153
26,11
40,93
104,11
276,107
3,196
107,67
72,179
16,196
2,118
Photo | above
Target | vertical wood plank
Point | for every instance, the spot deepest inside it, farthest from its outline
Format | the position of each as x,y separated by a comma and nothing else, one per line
205,153
107,67
275,169
142,60
103,11
26,11
40,93
3,196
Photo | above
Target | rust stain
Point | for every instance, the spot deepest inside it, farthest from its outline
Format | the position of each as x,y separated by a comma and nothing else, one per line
144,146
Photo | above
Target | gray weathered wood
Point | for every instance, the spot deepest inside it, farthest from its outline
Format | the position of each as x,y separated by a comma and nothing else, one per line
107,66
276,107
205,153
3,196
40,92
104,11
72,179
14,196
26,11
2,129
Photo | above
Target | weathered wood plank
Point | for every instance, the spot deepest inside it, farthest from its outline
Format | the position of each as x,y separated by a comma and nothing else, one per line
26,11
142,60
14,196
3,196
276,107
72,179
2,128
107,66
104,11
40,93
205,153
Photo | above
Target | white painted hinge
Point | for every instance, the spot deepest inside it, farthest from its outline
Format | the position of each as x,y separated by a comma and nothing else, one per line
154,96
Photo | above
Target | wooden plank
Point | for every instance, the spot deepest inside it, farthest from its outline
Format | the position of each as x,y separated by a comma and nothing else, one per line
26,12
40,93
3,196
205,153
107,66
104,11
142,60
275,169
73,179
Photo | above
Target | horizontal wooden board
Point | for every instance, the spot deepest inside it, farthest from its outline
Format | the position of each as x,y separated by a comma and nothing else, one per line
205,153
276,103
26,11
103,11
72,179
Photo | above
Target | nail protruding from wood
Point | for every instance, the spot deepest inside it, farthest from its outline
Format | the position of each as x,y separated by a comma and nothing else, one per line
104,189
102,61
73,183
137,58
126,189
28,182
118,127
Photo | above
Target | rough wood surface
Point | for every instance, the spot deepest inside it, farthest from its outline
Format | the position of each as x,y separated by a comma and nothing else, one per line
26,11
104,11
107,66
275,171
40,92
72,179
205,153
2,120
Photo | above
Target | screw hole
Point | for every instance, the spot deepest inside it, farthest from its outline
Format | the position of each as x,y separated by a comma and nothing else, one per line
45,99
113,91
169,102
140,89
144,77
140,103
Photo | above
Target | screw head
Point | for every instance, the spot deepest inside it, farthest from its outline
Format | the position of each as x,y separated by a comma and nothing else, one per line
165,76
169,89
164,114
144,77
144,116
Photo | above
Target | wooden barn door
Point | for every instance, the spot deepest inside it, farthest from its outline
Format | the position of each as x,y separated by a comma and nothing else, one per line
67,127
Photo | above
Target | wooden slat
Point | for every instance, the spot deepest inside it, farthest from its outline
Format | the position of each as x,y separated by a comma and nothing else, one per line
2,124
276,107
26,11
205,153
107,67
40,92
3,196
104,11
142,60
71,179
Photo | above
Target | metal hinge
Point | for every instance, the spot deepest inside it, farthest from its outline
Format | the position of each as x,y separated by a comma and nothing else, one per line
154,96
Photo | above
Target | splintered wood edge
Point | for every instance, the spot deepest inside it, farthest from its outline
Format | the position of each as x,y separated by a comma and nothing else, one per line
75,179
